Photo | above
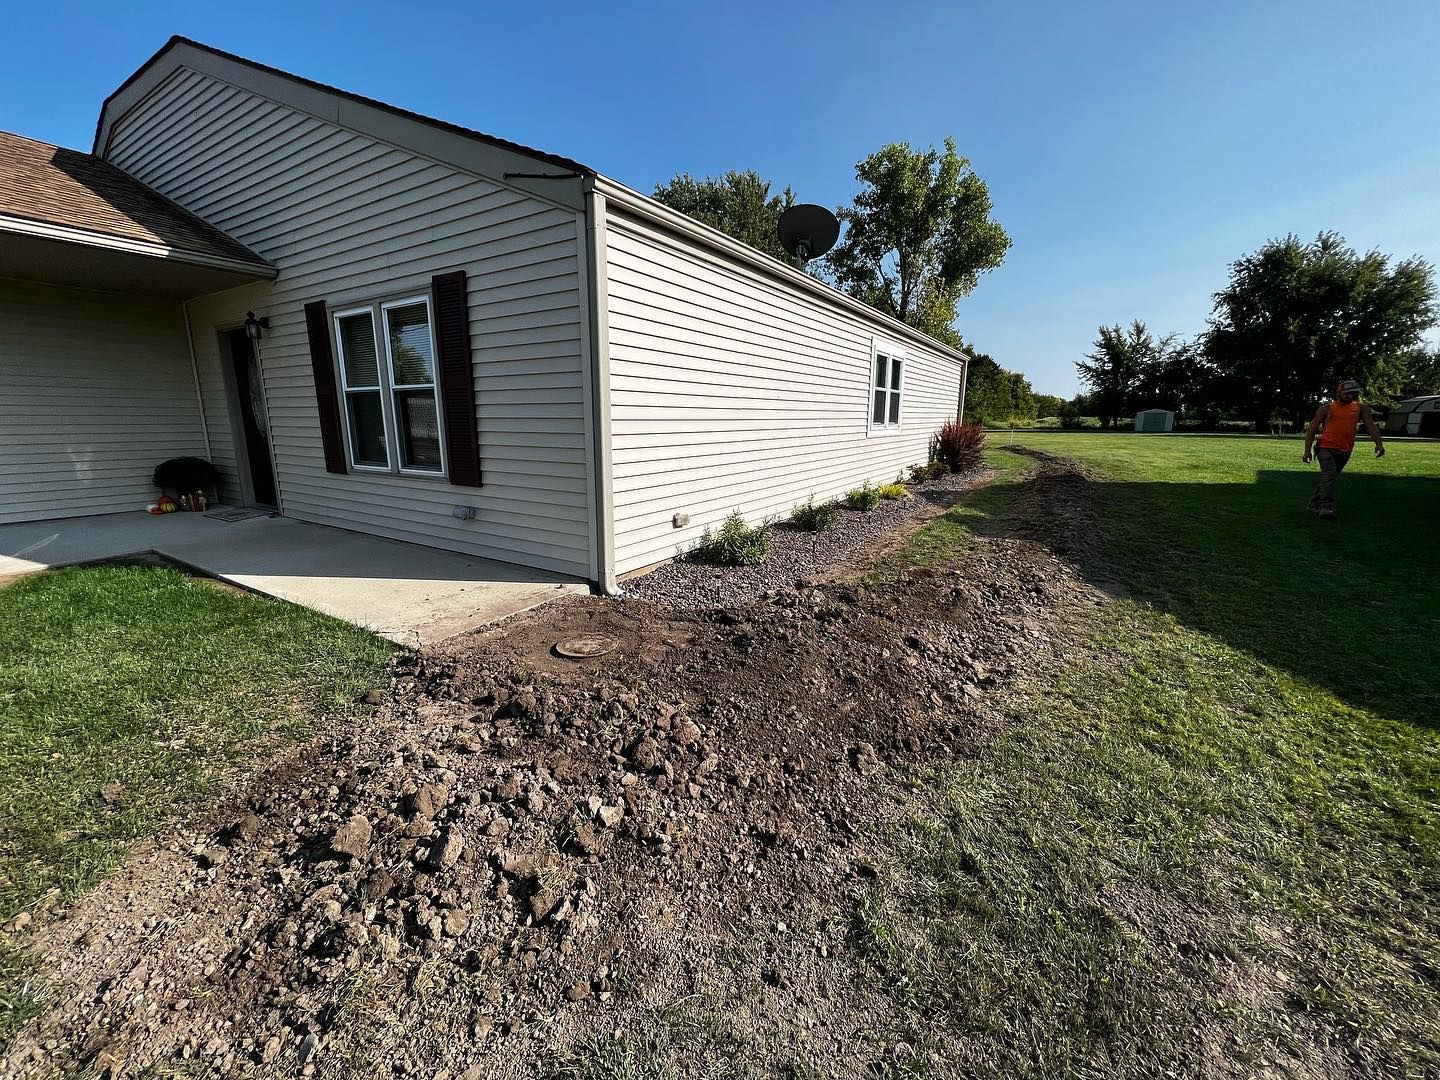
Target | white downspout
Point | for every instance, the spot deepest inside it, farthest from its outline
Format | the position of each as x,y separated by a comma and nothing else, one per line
195,374
964,382
597,286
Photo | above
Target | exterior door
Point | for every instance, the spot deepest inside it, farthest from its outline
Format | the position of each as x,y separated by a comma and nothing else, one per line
255,428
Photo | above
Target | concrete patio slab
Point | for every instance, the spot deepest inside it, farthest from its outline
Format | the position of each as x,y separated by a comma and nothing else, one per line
411,594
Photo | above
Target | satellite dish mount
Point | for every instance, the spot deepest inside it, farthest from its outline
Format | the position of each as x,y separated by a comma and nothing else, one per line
808,231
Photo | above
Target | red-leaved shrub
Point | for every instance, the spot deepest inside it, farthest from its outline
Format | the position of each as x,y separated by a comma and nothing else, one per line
959,447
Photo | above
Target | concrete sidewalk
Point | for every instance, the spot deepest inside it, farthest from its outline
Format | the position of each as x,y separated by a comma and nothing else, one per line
411,594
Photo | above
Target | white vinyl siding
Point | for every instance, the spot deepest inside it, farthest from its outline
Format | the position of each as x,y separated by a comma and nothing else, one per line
732,391
96,389
349,220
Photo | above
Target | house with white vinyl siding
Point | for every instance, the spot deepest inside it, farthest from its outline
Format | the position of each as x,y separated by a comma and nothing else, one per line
376,321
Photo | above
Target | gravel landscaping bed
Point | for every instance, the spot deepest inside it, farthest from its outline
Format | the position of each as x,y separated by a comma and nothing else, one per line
794,554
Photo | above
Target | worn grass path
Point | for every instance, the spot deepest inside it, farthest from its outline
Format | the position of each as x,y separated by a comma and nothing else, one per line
1208,842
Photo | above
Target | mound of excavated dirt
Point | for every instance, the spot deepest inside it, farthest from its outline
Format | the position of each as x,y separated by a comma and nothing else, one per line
513,856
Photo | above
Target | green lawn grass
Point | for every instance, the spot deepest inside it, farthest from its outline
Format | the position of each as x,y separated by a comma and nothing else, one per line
1208,841
126,693
1216,531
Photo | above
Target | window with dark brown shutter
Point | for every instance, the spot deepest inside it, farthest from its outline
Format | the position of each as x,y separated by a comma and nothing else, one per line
322,363
456,377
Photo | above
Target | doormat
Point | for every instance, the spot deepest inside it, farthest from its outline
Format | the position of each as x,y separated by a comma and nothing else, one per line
237,513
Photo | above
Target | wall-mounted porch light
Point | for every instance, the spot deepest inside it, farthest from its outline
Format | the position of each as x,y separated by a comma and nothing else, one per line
255,326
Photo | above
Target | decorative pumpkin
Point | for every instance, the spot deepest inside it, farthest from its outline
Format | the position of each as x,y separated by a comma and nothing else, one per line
167,505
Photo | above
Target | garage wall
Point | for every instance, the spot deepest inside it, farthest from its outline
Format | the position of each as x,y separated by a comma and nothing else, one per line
731,391
96,389
351,219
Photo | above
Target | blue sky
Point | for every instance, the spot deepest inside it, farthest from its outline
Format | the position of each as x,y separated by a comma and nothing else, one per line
1132,149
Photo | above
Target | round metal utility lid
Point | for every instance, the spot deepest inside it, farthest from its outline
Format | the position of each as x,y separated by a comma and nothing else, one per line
586,646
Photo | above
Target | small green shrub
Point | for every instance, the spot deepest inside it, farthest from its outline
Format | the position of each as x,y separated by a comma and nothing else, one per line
734,544
929,471
862,498
815,518
893,491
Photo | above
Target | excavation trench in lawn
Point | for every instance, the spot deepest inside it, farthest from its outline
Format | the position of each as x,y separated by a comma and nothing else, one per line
517,861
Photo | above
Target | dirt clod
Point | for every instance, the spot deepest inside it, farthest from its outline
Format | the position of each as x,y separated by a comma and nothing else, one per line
353,838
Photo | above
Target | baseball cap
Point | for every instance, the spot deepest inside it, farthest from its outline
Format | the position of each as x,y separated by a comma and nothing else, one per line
1349,386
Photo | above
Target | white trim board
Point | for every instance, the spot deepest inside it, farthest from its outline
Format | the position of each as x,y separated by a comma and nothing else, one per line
131,246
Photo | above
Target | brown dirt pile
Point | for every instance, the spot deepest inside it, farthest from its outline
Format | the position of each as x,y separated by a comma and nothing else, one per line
511,857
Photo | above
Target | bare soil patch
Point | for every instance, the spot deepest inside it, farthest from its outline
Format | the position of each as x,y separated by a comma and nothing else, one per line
527,866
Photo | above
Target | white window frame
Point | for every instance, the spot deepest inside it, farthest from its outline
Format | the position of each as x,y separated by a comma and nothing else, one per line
893,395
388,388
346,389
433,386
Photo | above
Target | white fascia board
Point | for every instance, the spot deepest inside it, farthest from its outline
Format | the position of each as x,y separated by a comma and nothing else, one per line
762,265
131,246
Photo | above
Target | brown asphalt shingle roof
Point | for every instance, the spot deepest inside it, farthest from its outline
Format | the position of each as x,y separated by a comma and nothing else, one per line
57,186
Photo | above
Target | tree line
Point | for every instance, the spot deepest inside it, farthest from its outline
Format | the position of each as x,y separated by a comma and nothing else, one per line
1295,318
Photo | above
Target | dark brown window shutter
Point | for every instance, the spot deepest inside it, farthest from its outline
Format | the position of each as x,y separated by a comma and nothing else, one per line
327,395
457,377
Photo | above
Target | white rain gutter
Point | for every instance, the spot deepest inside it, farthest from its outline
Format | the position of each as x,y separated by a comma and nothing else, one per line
50,231
195,374
964,385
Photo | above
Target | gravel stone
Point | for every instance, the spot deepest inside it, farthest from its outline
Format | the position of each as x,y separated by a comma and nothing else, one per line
794,554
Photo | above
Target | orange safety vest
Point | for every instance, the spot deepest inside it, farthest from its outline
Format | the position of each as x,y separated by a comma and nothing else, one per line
1340,426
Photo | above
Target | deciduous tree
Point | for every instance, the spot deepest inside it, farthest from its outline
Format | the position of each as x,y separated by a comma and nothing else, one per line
995,396
917,236
1114,369
1049,405
1297,317
1422,374
739,204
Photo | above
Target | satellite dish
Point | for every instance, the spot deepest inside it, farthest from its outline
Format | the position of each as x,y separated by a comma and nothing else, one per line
808,231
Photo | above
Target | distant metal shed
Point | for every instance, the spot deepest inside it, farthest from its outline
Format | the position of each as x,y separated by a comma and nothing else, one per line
1154,420
1415,416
